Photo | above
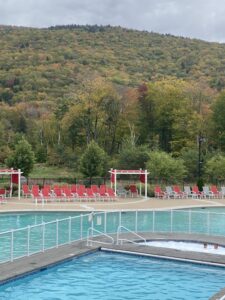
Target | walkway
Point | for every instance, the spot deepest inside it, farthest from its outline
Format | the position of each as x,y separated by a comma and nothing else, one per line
26,204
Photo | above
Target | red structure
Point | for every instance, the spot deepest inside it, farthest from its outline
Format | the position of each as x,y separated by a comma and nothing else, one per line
15,178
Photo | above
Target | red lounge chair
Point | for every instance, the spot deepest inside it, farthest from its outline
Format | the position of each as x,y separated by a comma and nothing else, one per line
35,188
133,190
2,193
81,195
36,195
46,194
111,194
67,193
178,193
196,192
215,192
26,191
58,194
95,189
3,196
73,189
159,193
90,194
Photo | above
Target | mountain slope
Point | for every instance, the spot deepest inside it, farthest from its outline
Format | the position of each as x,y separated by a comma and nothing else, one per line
47,64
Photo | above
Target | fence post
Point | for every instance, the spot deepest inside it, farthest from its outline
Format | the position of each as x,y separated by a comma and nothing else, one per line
81,226
171,220
153,221
136,220
43,237
28,240
120,215
189,222
57,233
11,250
105,224
70,220
208,223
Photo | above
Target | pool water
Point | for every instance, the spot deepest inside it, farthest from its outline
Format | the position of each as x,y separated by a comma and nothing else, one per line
118,277
19,220
187,246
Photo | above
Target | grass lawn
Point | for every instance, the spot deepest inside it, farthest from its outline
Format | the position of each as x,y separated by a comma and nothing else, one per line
44,171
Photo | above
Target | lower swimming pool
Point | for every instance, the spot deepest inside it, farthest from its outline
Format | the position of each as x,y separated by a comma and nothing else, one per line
116,276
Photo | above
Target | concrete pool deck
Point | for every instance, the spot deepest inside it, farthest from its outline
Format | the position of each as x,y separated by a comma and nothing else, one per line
27,204
39,262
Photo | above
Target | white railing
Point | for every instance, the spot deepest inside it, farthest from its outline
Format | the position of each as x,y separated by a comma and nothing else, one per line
119,241
38,238
90,236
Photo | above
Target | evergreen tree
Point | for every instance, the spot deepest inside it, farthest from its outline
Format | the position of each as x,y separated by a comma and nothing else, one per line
93,161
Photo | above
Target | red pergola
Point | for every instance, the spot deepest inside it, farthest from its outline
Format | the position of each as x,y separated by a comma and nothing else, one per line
15,178
143,175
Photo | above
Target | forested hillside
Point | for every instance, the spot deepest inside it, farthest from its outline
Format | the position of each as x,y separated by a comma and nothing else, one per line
64,86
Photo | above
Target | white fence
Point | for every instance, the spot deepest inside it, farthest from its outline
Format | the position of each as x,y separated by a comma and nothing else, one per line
38,238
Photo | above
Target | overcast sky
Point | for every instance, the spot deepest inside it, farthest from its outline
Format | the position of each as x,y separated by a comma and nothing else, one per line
204,19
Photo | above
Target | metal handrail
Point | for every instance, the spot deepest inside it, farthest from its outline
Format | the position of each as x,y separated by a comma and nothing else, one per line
91,229
118,240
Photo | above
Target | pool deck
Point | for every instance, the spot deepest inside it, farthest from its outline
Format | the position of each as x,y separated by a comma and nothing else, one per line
26,204
39,262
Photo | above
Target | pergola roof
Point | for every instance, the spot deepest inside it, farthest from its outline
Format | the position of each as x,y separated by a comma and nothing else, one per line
9,172
118,172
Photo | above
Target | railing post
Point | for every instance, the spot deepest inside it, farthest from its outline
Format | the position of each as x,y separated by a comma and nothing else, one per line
189,222
43,237
81,226
208,223
153,221
171,220
28,240
105,223
120,216
136,221
11,250
57,233
69,229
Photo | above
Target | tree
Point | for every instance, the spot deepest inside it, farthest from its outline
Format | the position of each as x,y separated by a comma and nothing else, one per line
93,161
22,158
167,114
163,166
215,168
218,111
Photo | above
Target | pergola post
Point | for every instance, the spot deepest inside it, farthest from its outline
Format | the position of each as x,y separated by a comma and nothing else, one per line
19,183
115,183
140,185
146,184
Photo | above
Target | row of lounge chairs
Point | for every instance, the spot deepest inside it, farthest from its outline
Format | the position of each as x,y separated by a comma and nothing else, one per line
188,192
69,193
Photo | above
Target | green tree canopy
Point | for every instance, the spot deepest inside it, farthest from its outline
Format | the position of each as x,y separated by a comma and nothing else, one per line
163,166
215,168
22,158
93,161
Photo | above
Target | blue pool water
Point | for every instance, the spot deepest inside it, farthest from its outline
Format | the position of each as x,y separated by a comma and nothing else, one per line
118,277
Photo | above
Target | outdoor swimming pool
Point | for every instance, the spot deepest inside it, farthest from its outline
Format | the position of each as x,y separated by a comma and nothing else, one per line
30,237
116,276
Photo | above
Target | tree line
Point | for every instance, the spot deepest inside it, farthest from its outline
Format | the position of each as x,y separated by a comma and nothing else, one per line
157,125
